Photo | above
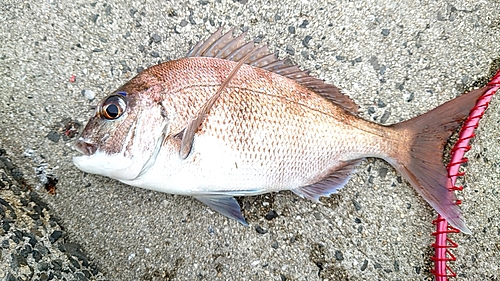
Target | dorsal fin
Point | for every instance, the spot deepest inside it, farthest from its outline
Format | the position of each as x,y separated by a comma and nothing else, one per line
225,46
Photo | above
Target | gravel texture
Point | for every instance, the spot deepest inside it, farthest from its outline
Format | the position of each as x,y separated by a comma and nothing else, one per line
396,59
34,245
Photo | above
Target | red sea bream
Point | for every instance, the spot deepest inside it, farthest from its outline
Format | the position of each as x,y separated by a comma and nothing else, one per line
231,119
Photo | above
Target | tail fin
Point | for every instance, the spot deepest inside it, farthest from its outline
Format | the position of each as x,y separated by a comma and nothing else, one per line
423,166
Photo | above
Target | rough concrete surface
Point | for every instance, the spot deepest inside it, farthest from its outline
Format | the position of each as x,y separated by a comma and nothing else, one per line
396,59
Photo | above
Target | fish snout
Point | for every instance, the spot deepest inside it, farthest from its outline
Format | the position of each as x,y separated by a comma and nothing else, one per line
85,147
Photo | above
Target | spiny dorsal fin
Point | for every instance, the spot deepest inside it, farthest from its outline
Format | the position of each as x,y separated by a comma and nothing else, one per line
225,46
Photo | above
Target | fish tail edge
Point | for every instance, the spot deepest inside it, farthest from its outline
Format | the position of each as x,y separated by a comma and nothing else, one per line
423,166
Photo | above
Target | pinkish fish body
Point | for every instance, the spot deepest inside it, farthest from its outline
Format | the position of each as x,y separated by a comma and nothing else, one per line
233,120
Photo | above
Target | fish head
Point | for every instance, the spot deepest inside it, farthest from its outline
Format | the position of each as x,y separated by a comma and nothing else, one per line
123,137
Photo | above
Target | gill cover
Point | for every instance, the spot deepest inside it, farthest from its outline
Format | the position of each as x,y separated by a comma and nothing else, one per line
123,138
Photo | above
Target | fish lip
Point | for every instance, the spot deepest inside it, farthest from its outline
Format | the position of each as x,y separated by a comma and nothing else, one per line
85,147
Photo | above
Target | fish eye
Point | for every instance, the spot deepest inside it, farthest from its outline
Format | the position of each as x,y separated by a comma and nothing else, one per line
113,107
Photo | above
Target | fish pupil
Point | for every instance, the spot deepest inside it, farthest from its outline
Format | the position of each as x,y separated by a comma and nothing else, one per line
112,111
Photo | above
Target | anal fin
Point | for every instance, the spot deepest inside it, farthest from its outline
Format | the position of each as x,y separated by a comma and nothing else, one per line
335,180
225,205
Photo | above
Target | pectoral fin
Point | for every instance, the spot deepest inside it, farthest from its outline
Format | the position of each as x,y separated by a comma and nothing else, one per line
226,205
194,124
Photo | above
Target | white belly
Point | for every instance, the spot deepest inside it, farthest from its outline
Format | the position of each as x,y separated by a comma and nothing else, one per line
210,168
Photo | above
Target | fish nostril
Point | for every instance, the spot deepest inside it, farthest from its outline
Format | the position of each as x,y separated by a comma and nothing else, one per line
86,147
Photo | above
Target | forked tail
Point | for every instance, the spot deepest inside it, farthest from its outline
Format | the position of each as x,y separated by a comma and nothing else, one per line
422,166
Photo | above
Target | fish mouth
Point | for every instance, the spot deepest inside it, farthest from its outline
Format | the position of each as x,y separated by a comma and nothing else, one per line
85,147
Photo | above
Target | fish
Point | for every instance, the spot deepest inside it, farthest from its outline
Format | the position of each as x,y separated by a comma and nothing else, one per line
232,119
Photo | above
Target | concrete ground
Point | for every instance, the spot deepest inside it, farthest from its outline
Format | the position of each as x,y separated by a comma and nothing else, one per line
396,59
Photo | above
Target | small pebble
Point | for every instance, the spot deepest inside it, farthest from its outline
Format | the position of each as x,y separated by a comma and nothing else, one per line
89,94
27,250
36,255
364,266
383,68
306,40
43,266
396,266
374,63
338,255
382,172
440,17
108,10
44,276
155,38
55,236
317,215
74,262
54,136
409,98
304,24
356,204
19,259
271,215
132,12
260,230
56,264
42,249
385,116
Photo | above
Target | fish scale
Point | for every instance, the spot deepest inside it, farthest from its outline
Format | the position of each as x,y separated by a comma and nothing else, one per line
231,119
280,123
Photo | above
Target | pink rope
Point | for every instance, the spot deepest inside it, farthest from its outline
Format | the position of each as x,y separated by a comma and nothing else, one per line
442,244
